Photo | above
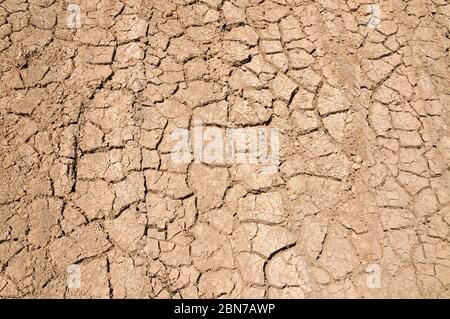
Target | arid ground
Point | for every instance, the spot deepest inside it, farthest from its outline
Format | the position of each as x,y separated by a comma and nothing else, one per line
93,204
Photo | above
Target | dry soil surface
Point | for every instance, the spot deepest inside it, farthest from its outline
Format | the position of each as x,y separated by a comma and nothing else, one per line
362,191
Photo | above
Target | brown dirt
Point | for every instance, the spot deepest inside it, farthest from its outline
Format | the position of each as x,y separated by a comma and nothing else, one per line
86,176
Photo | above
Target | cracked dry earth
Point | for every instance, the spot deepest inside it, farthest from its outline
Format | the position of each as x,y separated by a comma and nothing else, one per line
86,176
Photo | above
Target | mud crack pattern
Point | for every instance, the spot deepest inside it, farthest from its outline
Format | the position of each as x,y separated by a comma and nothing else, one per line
86,176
